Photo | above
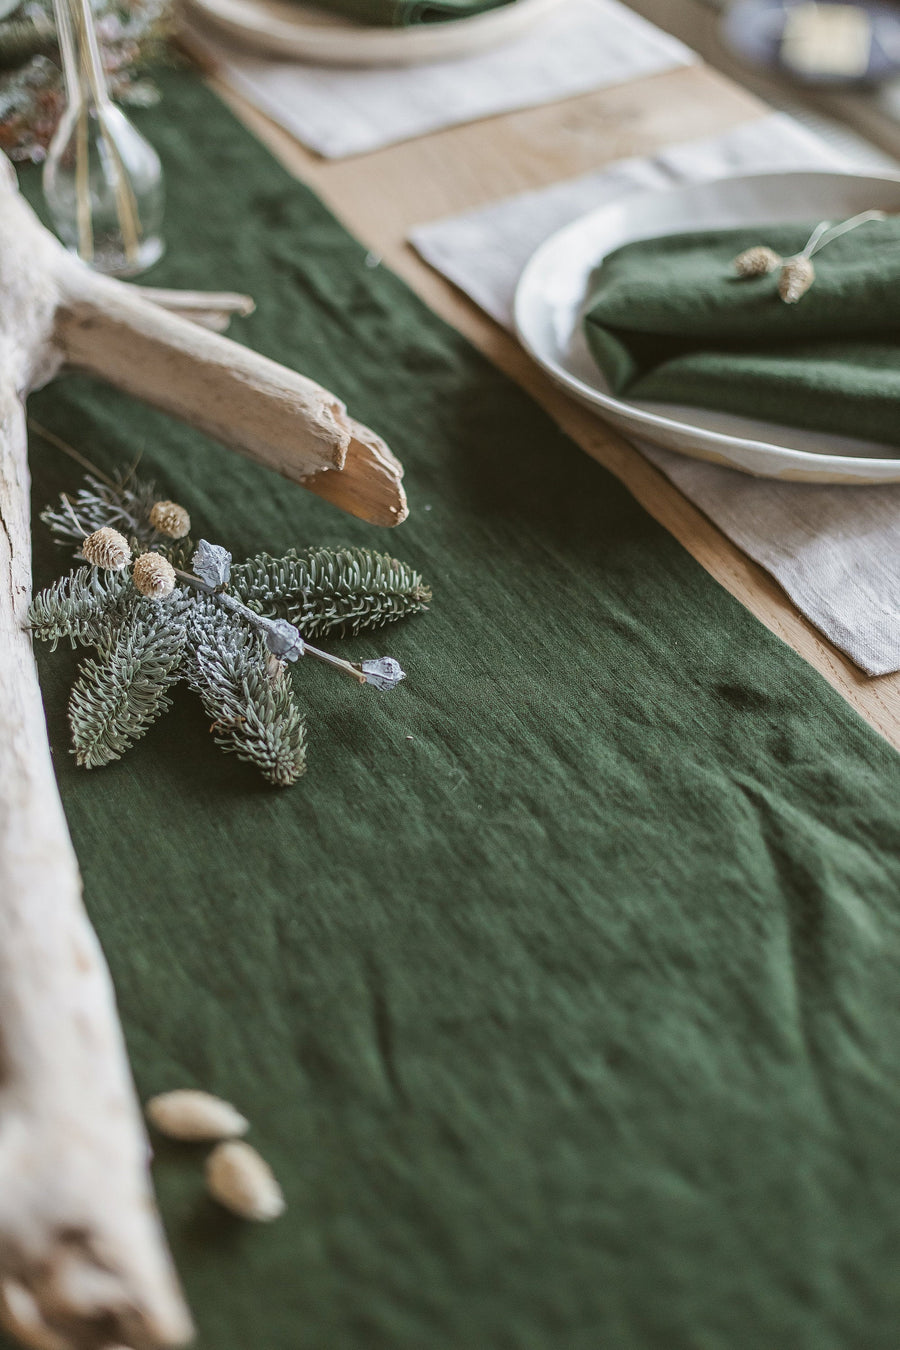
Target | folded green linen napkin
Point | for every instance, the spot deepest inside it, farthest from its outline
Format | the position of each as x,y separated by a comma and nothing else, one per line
668,319
406,13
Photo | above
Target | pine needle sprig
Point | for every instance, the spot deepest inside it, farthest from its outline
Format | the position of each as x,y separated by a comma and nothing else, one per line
119,696
247,694
336,591
78,606
124,505
159,609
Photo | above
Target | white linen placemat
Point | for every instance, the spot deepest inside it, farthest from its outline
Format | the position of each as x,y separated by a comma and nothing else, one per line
584,45
835,550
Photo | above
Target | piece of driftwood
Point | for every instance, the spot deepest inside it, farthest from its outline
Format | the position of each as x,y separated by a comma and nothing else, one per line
83,1262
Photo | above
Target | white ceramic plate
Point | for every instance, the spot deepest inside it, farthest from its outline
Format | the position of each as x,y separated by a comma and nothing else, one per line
303,33
553,286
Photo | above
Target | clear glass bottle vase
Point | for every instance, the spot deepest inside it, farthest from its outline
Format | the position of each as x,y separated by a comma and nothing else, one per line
102,181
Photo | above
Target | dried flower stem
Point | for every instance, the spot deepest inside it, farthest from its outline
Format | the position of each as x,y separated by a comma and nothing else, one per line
265,625
59,444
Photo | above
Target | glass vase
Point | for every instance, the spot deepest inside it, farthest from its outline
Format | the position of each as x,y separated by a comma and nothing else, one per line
102,181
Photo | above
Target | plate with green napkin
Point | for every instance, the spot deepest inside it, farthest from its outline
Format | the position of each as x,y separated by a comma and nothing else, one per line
372,32
638,311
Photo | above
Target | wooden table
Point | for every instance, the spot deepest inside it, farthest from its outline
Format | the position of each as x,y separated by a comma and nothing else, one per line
379,196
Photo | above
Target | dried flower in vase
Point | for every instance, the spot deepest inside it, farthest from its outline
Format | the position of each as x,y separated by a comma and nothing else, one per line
184,613
134,38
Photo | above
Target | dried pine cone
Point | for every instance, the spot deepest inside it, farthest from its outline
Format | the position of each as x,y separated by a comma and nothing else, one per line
106,548
797,275
756,262
170,519
154,576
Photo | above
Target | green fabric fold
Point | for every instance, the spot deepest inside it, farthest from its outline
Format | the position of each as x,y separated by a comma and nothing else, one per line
408,13
563,994
668,320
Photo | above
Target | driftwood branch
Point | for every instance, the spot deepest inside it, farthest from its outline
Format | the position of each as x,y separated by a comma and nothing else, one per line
212,309
82,1258
152,344
83,1262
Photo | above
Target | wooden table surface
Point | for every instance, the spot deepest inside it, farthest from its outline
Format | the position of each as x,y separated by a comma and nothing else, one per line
379,196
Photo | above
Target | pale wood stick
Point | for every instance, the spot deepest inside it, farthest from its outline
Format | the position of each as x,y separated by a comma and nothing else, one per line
278,418
83,1262
212,309
80,1239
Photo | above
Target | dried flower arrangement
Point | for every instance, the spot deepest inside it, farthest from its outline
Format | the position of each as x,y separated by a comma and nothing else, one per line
228,632
797,273
133,37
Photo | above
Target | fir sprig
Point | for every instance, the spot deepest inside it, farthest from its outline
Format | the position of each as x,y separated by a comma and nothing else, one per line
124,505
248,695
77,607
224,638
119,696
335,591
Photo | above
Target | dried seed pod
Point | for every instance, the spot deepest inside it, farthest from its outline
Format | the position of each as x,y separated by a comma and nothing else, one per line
797,275
106,548
757,261
243,1182
154,576
170,519
190,1114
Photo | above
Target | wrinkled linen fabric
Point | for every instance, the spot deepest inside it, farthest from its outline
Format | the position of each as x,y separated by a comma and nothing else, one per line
668,319
564,993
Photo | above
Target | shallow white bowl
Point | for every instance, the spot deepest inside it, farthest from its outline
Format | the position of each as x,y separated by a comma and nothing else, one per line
302,33
554,284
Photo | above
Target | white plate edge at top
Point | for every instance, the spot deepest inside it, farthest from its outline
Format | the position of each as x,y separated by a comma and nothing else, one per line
287,30
746,452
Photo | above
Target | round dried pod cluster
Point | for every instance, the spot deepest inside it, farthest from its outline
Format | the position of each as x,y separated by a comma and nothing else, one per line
106,548
170,519
193,1115
244,1182
756,262
154,576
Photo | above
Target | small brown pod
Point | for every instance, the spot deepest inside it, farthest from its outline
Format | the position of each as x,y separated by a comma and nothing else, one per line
106,548
797,275
154,576
757,261
170,519
193,1115
244,1182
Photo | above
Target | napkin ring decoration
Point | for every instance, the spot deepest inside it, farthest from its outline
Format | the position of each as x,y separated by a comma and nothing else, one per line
797,274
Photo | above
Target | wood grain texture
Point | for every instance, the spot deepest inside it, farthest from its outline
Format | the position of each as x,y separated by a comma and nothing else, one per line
83,1259
380,196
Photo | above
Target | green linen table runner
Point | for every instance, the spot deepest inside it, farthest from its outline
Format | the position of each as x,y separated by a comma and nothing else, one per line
669,320
408,13
564,992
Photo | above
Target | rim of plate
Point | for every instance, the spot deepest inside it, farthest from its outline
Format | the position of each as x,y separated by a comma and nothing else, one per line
649,422
287,29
